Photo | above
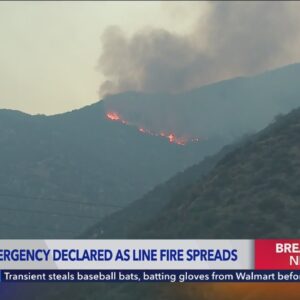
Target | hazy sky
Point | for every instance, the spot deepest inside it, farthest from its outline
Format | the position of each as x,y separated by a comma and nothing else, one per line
57,56
49,50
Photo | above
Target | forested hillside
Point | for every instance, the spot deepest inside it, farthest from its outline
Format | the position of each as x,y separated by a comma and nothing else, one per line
60,174
124,222
252,192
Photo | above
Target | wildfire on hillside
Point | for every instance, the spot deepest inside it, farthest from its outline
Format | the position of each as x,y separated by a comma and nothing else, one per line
171,136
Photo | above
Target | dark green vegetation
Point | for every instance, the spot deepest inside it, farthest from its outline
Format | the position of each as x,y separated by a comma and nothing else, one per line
252,192
148,207
63,173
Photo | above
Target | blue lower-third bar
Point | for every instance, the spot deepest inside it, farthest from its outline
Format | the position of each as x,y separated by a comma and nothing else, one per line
149,276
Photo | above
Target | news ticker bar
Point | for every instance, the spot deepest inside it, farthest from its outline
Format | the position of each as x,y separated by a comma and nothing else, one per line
137,276
150,254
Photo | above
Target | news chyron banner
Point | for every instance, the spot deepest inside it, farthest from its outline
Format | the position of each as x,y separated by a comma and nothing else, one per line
150,260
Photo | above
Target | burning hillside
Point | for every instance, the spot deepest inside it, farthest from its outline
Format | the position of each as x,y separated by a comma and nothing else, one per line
171,136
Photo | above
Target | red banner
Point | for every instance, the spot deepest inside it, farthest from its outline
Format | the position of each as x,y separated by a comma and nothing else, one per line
277,254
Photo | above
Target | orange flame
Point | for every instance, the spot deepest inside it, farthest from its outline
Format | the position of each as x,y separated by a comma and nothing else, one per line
114,116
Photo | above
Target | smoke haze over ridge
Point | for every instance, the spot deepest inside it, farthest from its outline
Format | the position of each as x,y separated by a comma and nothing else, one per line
231,39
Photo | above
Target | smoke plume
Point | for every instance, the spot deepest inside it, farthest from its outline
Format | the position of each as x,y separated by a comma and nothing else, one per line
233,39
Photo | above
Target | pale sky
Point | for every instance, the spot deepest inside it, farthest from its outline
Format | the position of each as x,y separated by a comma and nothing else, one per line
50,50
61,55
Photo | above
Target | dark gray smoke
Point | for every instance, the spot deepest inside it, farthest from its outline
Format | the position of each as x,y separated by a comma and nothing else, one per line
236,38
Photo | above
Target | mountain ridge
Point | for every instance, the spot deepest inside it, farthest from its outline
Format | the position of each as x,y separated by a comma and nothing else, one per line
82,157
226,110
